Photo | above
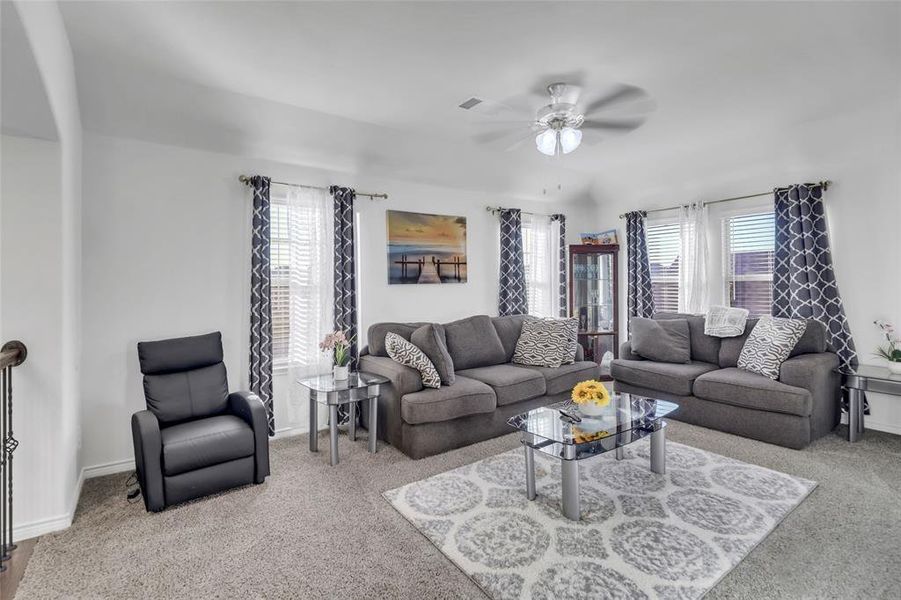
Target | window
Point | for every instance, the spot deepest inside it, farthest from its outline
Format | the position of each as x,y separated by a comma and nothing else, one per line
748,249
301,277
540,237
664,246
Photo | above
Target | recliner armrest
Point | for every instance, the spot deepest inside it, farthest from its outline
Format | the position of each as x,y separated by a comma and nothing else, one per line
249,407
404,379
806,370
148,446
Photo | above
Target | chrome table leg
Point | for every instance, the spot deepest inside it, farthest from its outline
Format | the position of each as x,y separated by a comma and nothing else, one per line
658,450
314,425
333,433
373,424
530,471
855,414
570,489
352,424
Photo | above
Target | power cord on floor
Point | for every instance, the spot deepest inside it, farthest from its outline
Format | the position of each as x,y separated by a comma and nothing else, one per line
132,496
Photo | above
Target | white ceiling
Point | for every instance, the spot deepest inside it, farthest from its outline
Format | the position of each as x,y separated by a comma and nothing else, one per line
375,86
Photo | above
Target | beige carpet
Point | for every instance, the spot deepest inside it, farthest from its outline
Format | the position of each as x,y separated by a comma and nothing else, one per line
313,531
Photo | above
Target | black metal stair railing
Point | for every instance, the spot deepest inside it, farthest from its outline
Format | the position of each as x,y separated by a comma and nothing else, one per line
11,355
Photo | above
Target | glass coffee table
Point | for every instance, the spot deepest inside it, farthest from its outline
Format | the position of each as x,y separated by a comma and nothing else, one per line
325,389
865,378
626,419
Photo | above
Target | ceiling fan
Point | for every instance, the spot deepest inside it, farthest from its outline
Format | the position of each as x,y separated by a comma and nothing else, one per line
560,126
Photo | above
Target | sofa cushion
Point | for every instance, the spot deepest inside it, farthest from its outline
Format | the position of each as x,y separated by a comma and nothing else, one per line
508,329
769,344
431,340
704,348
750,390
473,342
510,383
564,379
547,342
667,377
466,397
664,340
375,338
813,341
407,354
205,442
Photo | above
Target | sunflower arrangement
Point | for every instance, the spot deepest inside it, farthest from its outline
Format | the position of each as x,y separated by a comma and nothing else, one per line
590,392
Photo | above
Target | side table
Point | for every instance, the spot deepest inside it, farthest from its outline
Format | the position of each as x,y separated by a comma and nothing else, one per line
325,389
865,378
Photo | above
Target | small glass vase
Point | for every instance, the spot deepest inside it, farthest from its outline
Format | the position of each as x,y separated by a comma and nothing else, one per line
592,409
894,367
341,373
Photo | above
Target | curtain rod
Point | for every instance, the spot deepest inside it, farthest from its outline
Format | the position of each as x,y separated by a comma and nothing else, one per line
246,181
496,209
825,185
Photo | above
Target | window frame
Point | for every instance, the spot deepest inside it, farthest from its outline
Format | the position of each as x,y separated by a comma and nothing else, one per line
666,221
723,217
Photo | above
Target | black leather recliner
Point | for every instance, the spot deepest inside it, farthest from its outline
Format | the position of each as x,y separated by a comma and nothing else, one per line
195,438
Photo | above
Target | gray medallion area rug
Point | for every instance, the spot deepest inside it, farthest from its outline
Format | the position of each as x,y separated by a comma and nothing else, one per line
642,535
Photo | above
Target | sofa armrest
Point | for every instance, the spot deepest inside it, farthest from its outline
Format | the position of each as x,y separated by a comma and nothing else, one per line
580,353
625,352
404,379
249,407
148,446
810,371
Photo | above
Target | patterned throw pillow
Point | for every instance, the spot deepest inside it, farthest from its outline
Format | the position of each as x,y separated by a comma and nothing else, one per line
769,344
405,353
547,342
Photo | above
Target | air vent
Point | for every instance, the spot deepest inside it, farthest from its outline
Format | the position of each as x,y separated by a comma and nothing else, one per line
470,103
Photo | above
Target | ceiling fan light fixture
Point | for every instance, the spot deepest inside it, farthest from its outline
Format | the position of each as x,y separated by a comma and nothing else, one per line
570,139
546,142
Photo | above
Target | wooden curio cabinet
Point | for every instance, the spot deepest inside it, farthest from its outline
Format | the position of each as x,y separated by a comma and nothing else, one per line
594,299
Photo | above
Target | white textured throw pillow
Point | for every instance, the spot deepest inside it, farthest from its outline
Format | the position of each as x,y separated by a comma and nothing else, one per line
547,342
769,344
724,322
406,353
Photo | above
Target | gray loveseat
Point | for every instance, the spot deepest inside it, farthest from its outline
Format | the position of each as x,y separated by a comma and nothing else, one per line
487,388
711,391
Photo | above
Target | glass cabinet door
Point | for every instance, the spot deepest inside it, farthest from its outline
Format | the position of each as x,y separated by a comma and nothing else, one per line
593,299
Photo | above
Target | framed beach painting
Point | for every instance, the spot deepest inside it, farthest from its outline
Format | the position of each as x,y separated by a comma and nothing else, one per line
424,248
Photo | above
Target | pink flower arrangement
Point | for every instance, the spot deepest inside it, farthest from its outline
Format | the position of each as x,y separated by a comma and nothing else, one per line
338,343
890,352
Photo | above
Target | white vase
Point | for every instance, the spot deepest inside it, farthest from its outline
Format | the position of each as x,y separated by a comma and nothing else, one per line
590,409
341,373
894,367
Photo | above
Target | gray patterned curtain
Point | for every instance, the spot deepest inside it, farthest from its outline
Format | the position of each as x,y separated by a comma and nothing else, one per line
345,274
640,294
561,249
512,286
260,300
804,284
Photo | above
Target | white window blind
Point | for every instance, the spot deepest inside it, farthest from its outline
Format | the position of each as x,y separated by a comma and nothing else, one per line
664,246
539,248
748,249
280,273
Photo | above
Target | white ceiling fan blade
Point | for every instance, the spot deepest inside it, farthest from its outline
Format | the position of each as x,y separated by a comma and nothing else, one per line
619,97
611,125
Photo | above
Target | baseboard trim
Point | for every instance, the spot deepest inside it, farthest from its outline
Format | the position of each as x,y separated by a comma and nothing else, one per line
881,426
34,529
111,468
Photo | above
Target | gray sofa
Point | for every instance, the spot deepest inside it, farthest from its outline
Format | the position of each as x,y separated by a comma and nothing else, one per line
487,389
801,406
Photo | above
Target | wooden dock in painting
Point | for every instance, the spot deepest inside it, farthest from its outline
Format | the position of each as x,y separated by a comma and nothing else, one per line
430,272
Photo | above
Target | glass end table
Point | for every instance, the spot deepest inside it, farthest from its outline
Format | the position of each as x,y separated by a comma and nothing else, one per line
626,419
865,378
325,389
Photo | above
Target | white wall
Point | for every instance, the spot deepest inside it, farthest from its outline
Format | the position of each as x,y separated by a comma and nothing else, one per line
166,253
58,298
858,150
